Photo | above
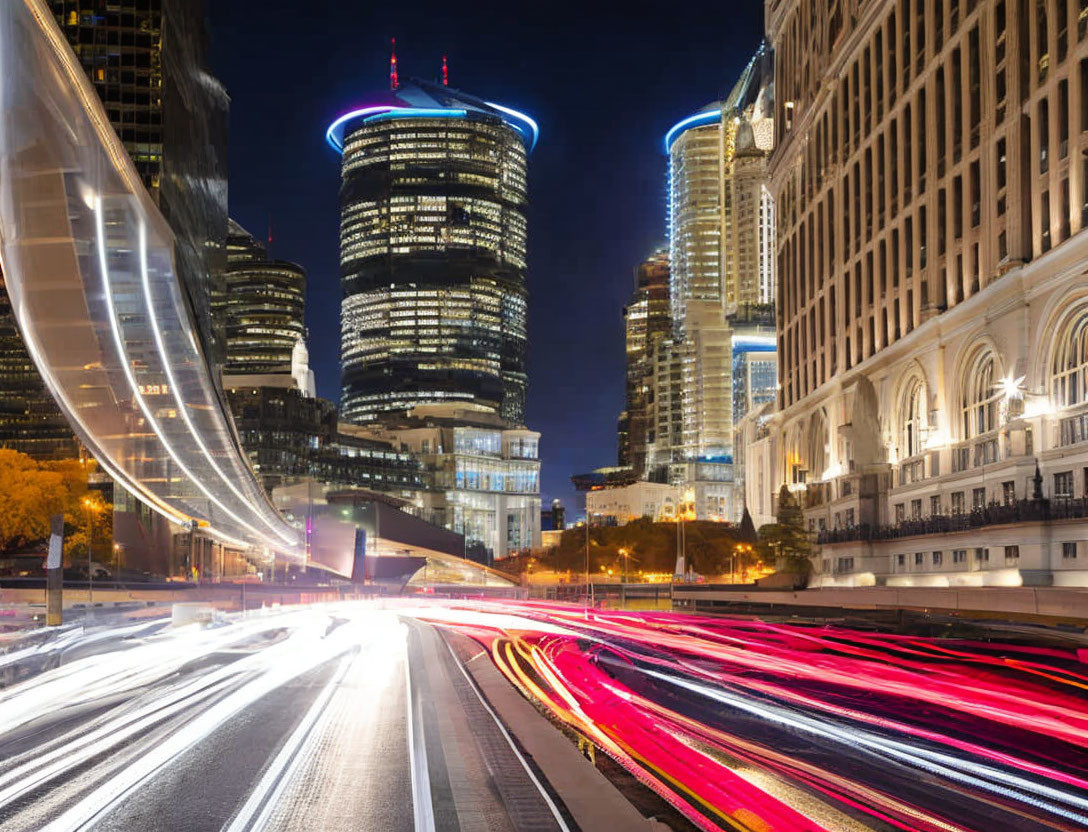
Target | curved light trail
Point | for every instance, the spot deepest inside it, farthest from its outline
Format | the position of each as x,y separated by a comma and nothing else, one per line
749,725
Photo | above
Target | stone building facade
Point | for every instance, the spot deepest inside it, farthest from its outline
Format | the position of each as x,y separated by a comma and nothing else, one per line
930,178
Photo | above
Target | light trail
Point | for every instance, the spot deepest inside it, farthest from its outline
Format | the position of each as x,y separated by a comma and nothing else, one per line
742,724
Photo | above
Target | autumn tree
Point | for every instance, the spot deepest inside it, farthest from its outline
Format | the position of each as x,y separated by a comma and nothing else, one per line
34,491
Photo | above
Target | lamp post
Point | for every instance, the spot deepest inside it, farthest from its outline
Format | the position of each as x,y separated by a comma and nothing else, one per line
588,585
624,554
89,504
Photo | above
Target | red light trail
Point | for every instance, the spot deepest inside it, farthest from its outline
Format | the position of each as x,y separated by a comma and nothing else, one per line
751,725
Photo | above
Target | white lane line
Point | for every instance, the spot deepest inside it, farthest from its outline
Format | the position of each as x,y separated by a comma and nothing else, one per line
422,807
257,810
513,746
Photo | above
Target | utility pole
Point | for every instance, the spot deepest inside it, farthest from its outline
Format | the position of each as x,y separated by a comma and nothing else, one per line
54,573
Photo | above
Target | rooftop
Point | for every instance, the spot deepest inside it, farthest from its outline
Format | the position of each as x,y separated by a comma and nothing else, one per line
416,98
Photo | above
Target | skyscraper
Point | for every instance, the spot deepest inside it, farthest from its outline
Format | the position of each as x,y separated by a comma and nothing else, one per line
433,317
720,226
263,308
646,322
146,64
432,253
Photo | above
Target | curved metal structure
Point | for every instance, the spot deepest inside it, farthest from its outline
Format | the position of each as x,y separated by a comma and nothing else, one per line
89,264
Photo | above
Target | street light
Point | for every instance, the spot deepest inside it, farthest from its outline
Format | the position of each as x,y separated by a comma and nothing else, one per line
625,555
91,507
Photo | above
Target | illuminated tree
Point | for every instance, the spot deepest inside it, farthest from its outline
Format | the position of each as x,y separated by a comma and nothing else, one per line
34,491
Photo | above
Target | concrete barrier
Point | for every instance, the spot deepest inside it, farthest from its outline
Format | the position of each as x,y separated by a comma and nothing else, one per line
1050,602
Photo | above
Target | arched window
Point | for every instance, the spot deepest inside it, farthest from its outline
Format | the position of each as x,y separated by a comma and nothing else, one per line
981,396
1069,368
912,416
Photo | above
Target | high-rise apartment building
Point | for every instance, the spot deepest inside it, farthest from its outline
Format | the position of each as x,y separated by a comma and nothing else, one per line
432,253
930,174
433,242
721,222
145,61
263,308
647,321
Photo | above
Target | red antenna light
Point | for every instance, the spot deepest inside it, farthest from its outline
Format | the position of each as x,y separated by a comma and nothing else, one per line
393,83
445,73
269,228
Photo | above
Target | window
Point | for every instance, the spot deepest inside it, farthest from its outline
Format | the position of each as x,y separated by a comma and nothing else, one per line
979,401
850,518
1069,367
900,512
1069,550
959,556
978,498
919,558
916,509
912,412
938,558
1012,553
1063,485
1008,491
957,502
935,505
901,560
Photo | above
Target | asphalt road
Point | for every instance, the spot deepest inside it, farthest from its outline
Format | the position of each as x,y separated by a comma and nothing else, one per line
346,717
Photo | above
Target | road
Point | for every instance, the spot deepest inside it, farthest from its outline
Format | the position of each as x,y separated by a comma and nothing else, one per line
750,725
355,716
335,718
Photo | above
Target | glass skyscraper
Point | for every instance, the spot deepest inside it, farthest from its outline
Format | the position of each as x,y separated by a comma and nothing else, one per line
432,253
264,307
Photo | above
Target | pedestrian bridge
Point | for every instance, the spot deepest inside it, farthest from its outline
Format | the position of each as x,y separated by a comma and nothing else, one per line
89,264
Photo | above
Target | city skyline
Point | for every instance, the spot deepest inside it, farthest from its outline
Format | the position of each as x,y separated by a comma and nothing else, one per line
578,282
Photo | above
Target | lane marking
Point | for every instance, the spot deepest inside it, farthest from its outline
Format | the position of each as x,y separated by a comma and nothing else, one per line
510,740
257,810
422,807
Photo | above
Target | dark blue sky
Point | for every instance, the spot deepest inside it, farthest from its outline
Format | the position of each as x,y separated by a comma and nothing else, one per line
604,81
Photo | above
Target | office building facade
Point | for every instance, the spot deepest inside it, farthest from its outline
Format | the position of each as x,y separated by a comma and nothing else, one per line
930,184
647,322
263,308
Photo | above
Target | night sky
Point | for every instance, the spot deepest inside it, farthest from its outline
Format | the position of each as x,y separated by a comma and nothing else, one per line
603,81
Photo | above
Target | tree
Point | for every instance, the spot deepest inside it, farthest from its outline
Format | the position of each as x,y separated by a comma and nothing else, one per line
785,541
34,491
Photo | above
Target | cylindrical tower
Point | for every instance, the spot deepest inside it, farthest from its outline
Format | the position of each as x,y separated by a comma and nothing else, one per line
696,196
432,253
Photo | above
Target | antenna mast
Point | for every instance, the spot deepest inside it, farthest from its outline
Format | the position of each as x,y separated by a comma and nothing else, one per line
393,82
445,73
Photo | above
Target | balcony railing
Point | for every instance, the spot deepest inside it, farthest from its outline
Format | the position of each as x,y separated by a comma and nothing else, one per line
995,514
